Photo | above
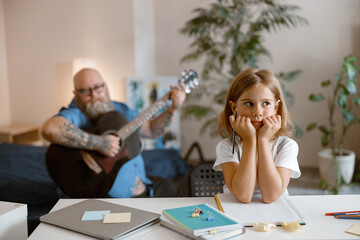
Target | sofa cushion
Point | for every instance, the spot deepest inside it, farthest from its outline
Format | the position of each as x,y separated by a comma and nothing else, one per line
166,163
23,175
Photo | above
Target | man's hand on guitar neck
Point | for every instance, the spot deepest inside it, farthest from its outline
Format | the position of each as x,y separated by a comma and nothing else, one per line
177,96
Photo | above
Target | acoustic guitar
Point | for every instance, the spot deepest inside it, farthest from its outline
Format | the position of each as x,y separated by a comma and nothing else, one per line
89,174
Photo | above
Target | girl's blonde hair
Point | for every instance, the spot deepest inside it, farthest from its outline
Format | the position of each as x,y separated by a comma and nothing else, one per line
244,81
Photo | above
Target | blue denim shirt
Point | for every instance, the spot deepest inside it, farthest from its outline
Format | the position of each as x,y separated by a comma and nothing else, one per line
125,179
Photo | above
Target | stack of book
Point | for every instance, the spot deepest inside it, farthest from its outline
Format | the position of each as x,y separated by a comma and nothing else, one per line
201,222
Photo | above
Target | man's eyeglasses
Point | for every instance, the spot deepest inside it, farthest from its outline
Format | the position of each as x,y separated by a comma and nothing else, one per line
87,91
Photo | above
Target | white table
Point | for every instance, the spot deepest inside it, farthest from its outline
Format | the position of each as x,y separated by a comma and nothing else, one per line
13,220
314,207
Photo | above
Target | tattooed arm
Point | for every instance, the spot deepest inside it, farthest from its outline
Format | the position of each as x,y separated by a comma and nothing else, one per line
60,131
159,125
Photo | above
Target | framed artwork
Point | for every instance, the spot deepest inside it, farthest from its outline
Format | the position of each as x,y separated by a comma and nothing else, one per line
141,92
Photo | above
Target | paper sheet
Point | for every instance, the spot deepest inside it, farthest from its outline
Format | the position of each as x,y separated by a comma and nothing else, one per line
94,215
117,217
282,210
354,229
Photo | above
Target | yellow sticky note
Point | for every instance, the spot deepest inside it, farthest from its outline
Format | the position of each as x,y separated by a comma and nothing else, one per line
117,217
355,229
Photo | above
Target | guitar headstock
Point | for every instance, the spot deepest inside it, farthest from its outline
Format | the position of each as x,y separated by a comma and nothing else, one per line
190,79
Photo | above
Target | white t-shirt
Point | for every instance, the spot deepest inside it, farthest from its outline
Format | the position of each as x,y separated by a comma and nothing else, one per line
284,152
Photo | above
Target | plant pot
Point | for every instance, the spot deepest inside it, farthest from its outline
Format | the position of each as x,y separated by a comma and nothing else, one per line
328,168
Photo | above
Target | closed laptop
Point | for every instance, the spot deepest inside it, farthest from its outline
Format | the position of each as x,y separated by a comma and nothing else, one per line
71,218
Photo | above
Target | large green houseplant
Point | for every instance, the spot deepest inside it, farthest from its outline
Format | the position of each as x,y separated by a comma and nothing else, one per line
228,38
342,103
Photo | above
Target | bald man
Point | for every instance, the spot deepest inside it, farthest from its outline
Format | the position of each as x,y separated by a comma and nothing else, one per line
91,102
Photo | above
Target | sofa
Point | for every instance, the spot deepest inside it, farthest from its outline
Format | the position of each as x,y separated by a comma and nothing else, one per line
24,177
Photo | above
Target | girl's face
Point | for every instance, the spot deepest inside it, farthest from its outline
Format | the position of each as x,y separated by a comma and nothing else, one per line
257,103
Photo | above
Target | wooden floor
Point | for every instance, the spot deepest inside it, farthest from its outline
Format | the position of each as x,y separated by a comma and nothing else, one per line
310,184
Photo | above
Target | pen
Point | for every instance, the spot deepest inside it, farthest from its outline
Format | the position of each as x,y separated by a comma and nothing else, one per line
233,138
331,214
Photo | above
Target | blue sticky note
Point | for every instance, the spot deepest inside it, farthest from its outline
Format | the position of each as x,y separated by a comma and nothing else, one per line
94,215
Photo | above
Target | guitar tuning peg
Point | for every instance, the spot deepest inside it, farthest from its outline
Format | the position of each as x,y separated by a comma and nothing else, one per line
196,81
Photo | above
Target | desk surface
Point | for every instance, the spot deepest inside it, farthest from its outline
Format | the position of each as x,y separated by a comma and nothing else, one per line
13,224
314,207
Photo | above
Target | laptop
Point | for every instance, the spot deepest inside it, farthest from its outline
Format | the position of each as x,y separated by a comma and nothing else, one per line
71,218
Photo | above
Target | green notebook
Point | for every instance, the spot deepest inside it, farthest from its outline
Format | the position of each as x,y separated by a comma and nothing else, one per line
182,217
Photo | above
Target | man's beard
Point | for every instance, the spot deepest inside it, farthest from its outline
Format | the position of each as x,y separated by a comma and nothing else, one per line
94,109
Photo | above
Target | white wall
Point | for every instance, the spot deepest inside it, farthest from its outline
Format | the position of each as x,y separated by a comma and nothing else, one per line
144,38
4,86
43,37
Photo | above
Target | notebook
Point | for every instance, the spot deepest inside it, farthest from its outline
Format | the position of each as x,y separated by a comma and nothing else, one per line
181,218
282,210
220,235
71,218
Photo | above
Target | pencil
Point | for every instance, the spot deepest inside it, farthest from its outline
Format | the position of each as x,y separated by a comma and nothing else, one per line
348,213
348,217
218,203
233,137
331,214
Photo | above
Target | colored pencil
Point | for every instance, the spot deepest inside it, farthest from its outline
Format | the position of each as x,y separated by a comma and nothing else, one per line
348,217
331,214
355,215
218,203
352,213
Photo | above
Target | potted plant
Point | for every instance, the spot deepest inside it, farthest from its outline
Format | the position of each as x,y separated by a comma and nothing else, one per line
228,38
336,164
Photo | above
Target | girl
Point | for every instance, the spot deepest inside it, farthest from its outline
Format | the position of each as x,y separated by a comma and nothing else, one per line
265,157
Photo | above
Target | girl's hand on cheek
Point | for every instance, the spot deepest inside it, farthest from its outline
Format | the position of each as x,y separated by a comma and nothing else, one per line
271,126
243,127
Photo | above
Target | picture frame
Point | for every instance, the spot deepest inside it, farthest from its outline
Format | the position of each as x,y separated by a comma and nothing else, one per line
141,92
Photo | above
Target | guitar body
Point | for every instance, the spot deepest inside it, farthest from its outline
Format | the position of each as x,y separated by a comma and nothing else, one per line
68,169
